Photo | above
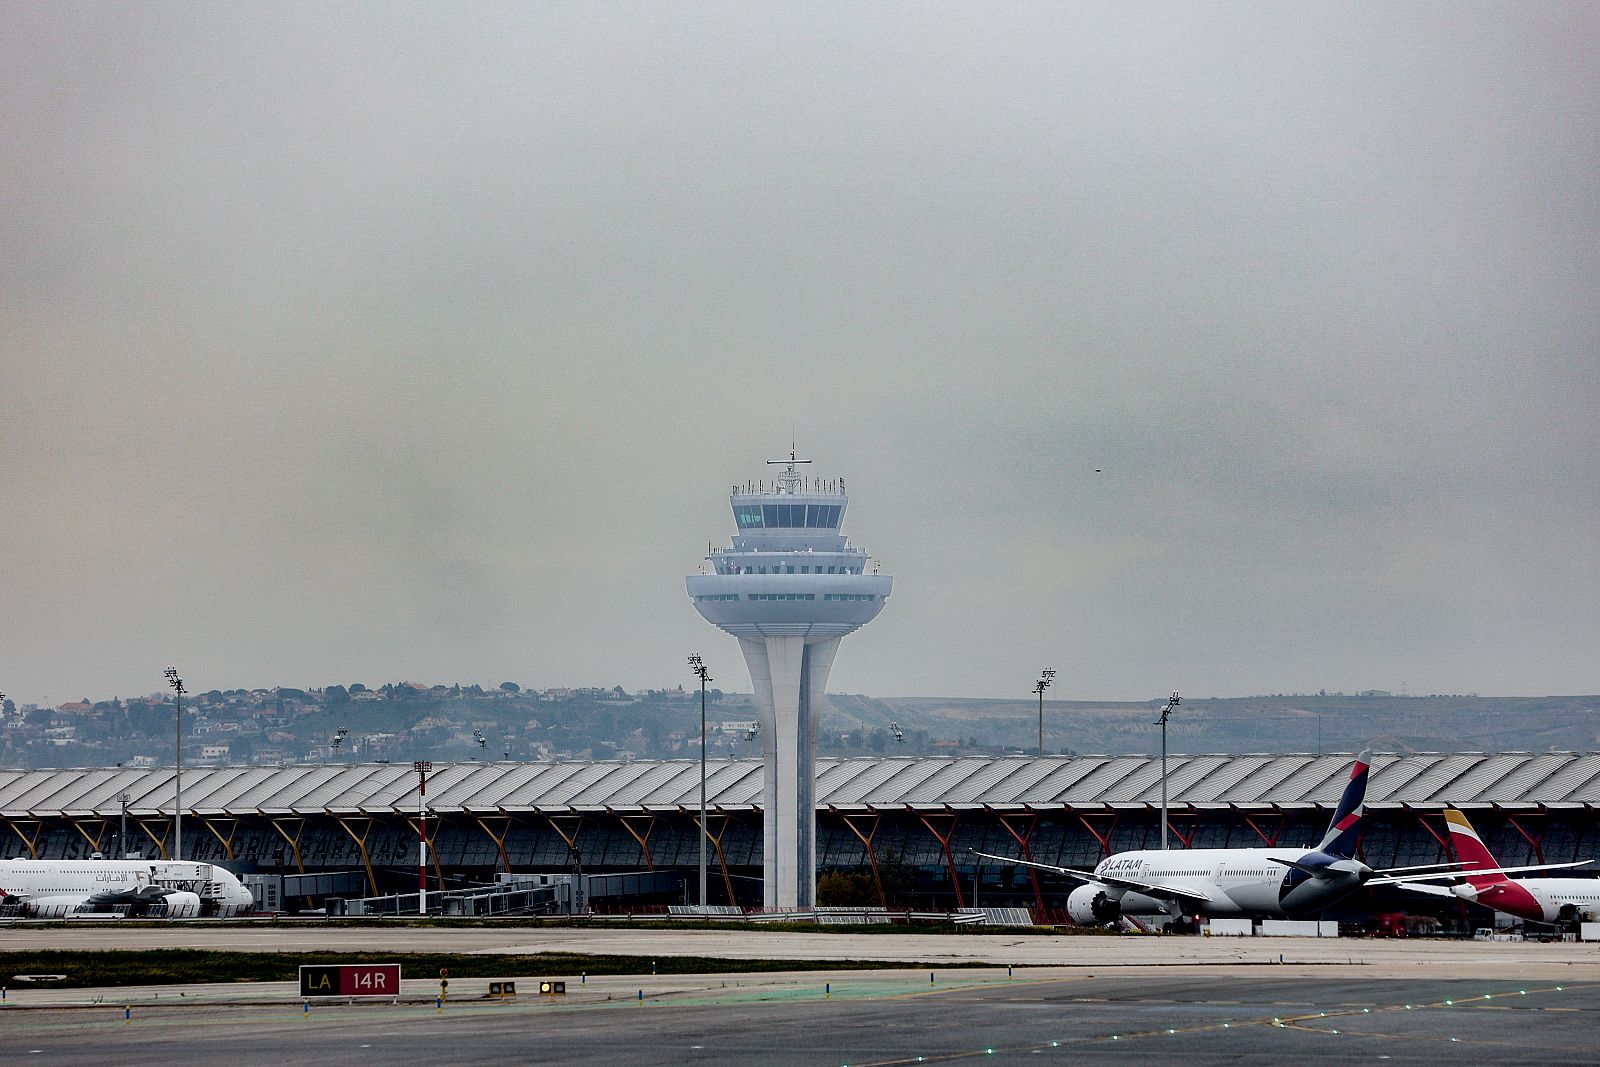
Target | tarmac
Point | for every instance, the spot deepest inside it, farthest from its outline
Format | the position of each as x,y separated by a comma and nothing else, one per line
1232,1002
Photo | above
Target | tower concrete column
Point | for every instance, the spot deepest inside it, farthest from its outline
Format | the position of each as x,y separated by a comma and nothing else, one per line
790,586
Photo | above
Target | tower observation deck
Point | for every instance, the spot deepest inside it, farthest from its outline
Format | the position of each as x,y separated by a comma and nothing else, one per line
789,587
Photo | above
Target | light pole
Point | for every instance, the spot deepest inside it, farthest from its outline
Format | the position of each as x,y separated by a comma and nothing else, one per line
422,767
1166,713
122,834
177,807
338,739
1045,677
478,736
697,665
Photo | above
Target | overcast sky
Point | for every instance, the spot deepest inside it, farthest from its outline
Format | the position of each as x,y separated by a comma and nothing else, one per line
414,341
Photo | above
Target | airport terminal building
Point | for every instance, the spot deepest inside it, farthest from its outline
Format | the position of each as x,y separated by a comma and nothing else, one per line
906,827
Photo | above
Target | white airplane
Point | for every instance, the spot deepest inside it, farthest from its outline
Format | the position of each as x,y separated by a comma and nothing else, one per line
53,889
1255,882
1545,900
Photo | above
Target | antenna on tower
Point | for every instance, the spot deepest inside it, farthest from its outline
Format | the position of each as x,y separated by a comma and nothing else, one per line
788,479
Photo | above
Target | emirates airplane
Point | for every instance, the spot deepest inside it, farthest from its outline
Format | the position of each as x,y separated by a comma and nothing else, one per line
176,889
1256,882
1543,900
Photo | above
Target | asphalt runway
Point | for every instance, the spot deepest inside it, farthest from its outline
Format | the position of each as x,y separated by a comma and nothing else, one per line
1242,1016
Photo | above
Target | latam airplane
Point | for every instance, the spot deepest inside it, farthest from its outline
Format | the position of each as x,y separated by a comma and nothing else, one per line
52,889
1255,882
1544,900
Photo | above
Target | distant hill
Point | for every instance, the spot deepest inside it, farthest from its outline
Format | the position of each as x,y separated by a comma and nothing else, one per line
1301,723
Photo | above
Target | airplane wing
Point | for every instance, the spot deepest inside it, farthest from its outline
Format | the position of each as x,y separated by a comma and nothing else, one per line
1150,889
1420,887
1459,875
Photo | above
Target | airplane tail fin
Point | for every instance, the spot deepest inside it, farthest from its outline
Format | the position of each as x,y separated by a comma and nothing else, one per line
1471,850
1344,831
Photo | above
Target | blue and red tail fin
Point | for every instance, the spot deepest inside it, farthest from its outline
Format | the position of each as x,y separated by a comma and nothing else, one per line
1344,831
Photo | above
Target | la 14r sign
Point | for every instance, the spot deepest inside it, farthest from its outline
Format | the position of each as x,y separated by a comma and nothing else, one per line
350,980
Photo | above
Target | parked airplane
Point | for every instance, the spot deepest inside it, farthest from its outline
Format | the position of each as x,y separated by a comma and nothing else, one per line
1256,882
1545,900
176,889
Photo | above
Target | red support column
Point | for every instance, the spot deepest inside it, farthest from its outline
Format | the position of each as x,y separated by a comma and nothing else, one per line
872,853
1105,838
1270,838
944,843
1027,853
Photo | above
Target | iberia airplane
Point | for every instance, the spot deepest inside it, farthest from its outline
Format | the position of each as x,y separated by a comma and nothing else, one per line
1545,900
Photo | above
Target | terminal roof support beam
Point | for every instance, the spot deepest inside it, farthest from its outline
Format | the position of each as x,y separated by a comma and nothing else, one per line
1104,839
435,824
160,841
944,843
505,822
643,839
95,839
866,840
1258,823
1534,837
361,844
1194,826
1021,839
293,840
225,841
716,843
31,842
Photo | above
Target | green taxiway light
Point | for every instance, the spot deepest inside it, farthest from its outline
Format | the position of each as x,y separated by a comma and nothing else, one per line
1450,1003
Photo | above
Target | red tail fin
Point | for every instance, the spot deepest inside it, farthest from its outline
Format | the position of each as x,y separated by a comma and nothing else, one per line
1471,850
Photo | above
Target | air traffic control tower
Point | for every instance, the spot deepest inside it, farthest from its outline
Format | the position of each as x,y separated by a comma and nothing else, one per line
789,588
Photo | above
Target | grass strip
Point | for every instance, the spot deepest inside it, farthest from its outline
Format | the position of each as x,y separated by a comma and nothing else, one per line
181,967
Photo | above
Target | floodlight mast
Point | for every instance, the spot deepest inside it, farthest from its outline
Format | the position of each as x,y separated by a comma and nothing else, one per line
1046,676
697,665
177,803
422,768
1166,713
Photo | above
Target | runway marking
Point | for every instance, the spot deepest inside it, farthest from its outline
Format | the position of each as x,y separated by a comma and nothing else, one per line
1300,1024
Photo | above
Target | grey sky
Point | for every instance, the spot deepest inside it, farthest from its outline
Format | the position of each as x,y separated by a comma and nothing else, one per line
381,342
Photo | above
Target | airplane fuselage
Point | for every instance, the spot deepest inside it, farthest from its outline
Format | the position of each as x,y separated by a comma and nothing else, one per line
58,888
1234,881
1547,900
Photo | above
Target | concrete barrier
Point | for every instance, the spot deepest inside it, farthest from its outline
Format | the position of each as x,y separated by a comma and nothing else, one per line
1298,928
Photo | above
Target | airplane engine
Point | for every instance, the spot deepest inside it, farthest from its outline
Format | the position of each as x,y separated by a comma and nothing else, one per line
1090,905
183,905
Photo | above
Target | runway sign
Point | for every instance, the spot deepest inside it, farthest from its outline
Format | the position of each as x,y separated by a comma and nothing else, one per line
350,980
